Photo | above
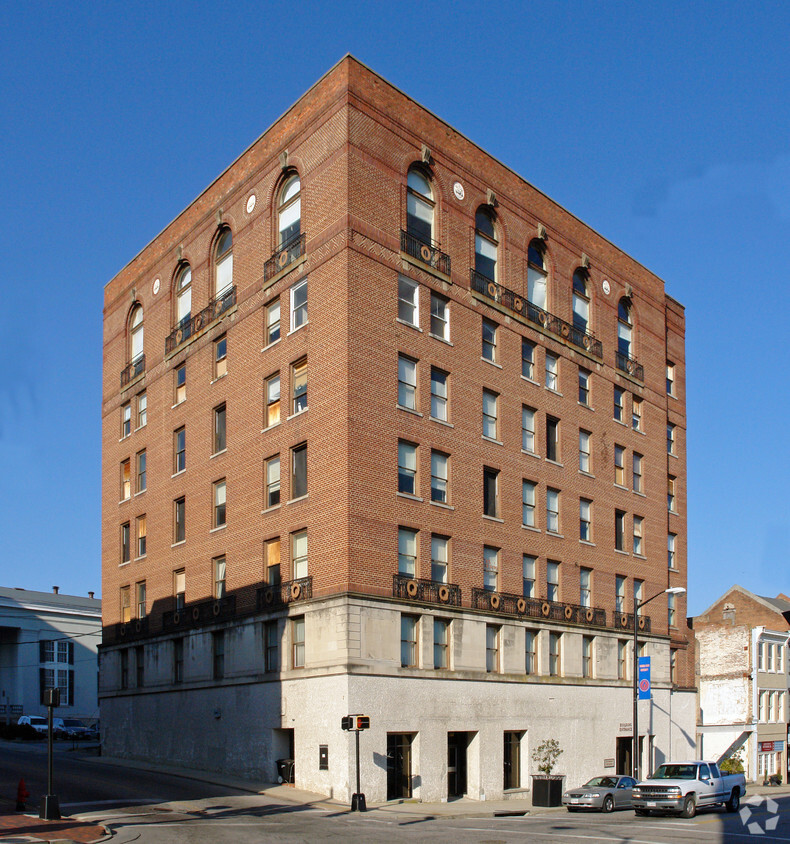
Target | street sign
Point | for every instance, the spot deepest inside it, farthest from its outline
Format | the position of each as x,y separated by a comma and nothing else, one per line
644,678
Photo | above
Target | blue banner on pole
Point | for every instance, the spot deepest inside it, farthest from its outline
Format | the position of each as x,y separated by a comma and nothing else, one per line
644,678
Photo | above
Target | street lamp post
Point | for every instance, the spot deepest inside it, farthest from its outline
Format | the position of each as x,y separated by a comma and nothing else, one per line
672,590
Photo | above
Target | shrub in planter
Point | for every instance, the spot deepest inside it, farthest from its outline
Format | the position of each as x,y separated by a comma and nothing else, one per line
546,788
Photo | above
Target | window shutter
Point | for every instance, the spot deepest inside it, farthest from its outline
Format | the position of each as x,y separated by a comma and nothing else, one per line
42,651
71,654
41,685
71,677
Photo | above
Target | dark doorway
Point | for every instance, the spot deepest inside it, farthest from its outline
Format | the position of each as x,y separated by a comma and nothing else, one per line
457,744
625,765
398,765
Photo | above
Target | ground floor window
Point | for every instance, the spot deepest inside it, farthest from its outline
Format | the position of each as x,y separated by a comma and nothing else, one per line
399,762
512,759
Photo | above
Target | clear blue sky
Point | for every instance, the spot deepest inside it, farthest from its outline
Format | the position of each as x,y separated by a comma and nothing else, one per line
665,126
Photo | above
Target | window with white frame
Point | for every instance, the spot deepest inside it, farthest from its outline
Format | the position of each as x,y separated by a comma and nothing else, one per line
528,429
299,305
299,554
622,659
272,322
441,643
552,510
619,530
142,536
637,474
619,593
581,300
552,581
528,359
407,382
585,587
440,555
273,400
219,577
490,492
490,414
638,527
670,438
584,451
585,520
126,480
419,206
299,471
184,295
223,263
552,438
299,386
584,387
555,654
671,499
490,568
220,503
440,317
137,330
142,409
619,404
439,476
552,372
221,356
409,626
639,593
671,553
407,552
489,352
140,595
528,503
530,652
438,394
536,275
587,656
624,328
408,301
298,642
486,244
273,481
492,648
528,576
407,467
619,465
671,611
636,413
289,211
670,378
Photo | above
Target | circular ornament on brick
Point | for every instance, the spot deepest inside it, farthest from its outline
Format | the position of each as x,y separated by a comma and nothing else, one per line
521,605
296,591
411,588
176,618
568,613
623,620
641,624
589,615
458,191
545,609
157,284
195,613
495,602
250,203
444,594
606,287
217,608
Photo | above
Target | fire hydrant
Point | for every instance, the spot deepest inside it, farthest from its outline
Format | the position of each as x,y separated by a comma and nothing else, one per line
21,795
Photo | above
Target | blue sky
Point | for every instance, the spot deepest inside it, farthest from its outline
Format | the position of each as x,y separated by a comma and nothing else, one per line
664,126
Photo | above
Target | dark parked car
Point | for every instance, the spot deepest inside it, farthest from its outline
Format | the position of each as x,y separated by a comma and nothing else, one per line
73,728
605,794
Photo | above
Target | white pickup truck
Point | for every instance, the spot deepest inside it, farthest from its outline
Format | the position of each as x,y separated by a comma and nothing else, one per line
683,787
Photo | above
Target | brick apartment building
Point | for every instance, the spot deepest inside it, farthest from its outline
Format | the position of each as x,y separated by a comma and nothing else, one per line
388,431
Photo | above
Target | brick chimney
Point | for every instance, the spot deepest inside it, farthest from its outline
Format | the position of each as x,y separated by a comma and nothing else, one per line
55,589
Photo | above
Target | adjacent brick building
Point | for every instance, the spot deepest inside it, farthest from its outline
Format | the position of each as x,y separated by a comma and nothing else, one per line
386,430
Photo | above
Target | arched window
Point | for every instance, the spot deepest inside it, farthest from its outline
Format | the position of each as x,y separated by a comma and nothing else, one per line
419,207
289,210
184,294
624,327
136,333
223,263
581,300
486,244
536,275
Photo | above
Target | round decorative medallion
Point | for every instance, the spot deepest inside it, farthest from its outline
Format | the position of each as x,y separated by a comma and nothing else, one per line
250,203
458,190
157,285
606,287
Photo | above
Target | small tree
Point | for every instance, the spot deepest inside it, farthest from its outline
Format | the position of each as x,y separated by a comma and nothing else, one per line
732,764
545,755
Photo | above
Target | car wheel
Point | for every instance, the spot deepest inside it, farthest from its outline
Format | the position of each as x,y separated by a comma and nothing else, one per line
734,802
689,807
608,803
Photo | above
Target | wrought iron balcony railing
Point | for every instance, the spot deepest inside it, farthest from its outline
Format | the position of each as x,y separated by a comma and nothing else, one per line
285,255
629,364
197,615
428,254
430,591
510,604
277,594
212,312
130,372
502,296
133,629
625,621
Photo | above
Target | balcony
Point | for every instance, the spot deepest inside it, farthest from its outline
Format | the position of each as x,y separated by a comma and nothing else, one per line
630,365
625,621
509,604
134,629
284,257
200,614
278,594
428,591
430,255
211,313
553,324
130,372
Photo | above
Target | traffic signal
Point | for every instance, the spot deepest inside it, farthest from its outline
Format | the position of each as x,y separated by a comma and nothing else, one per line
347,722
363,722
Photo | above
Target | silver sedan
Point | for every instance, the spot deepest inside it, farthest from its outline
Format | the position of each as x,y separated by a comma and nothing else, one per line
603,793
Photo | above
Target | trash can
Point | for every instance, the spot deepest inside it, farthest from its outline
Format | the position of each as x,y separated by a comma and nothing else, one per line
285,771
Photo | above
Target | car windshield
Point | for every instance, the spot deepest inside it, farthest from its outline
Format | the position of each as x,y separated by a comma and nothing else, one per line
72,722
602,782
38,720
675,772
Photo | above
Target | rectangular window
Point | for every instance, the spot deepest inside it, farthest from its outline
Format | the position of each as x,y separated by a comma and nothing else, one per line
299,305
297,641
671,611
440,555
637,472
552,439
670,378
139,662
585,587
180,383
619,593
440,317
441,643
299,385
761,656
272,323
528,429
179,450
584,451
141,599
512,760
671,502
528,359
126,420
553,510
490,568
271,641
272,401
271,561
552,581
552,372
125,543
490,414
584,387
409,626
585,520
622,659
142,410
299,471
220,429
407,382
619,530
439,476
670,438
142,481
555,654
124,671
636,413
407,552
178,661
180,588
273,481
638,594
142,536
619,465
638,546
489,340
490,492
530,652
408,301
126,480
299,554
126,604
528,504
671,556
438,394
619,404
492,648
407,467
219,577
528,576
220,493
587,656
221,356
770,654
179,520
218,653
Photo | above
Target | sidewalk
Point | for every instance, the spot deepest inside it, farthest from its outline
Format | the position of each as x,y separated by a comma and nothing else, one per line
19,827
